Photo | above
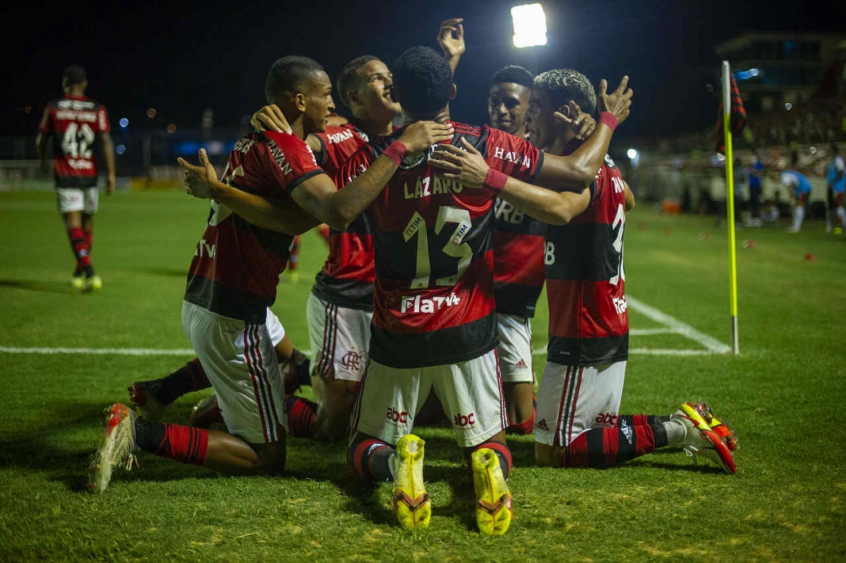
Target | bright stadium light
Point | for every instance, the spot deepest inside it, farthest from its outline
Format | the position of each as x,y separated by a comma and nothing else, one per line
529,25
632,154
124,122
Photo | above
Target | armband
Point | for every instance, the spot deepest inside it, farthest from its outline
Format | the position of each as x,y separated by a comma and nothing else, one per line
396,151
495,180
608,119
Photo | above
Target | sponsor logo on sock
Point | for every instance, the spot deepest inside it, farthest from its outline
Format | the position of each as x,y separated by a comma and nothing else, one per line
541,425
521,364
627,431
606,419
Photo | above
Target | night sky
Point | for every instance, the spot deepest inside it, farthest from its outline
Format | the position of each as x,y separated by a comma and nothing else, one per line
181,57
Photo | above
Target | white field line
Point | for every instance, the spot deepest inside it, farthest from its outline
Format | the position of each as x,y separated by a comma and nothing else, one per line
671,326
708,342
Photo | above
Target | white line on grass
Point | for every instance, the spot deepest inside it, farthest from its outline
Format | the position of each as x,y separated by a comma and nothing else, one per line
709,342
671,326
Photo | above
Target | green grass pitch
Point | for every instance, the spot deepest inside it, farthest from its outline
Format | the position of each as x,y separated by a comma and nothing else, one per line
783,395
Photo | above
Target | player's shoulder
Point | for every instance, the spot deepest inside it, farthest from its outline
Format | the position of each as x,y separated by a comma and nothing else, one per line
282,141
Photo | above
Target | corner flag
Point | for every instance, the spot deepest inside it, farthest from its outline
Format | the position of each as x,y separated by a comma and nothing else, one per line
737,114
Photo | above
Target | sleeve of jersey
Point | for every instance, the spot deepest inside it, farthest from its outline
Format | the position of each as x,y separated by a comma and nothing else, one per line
103,120
294,161
512,155
357,164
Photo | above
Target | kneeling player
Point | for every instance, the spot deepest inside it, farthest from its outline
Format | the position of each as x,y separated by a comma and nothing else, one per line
578,424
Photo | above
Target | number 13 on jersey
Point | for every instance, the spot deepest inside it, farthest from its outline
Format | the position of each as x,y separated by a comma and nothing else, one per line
455,247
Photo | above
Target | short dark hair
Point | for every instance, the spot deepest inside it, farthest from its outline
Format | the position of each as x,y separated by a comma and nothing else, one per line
514,73
563,84
287,75
422,80
349,79
74,74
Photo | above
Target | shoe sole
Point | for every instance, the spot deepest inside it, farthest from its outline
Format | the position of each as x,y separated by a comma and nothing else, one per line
103,463
720,454
494,507
412,506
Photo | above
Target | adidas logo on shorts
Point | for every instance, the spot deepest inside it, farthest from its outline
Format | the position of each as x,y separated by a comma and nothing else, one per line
541,425
521,364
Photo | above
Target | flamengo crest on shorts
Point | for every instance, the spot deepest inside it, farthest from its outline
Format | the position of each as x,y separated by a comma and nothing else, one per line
585,279
74,123
236,265
433,294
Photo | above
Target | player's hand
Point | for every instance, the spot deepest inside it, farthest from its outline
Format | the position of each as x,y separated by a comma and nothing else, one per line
423,134
451,39
617,102
270,118
576,121
198,179
110,185
465,164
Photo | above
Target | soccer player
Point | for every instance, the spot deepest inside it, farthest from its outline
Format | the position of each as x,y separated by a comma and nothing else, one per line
836,182
340,306
508,100
434,323
74,123
518,259
801,189
152,397
233,277
578,405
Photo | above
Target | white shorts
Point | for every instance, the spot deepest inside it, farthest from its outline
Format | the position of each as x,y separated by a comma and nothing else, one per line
240,362
470,392
515,349
77,199
274,328
574,399
340,338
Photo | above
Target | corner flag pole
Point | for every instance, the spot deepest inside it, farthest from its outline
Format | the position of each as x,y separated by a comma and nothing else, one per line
735,344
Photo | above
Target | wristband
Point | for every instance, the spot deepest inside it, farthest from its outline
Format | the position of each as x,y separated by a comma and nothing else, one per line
608,119
396,151
495,180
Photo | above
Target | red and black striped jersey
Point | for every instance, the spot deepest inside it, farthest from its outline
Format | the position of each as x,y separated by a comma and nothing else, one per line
74,123
518,242
347,276
338,143
236,266
434,292
585,279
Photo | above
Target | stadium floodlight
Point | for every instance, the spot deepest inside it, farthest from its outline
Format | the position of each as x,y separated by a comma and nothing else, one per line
632,154
529,25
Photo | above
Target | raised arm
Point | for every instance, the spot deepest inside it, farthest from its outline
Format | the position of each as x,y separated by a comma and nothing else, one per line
318,195
451,39
468,166
339,208
576,171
